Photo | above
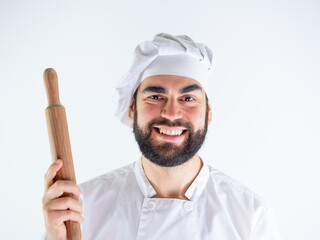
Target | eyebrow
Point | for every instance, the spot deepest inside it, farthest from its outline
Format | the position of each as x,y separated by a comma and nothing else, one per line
187,89
154,89
194,87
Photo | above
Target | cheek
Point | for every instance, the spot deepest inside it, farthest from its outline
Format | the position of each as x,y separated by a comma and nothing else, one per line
196,116
146,113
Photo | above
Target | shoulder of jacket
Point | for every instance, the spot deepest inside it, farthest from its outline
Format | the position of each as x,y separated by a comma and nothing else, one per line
223,180
111,176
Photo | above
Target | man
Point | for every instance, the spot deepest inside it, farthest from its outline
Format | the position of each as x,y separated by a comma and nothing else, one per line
170,193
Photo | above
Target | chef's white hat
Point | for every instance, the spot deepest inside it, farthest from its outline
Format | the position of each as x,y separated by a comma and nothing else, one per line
165,55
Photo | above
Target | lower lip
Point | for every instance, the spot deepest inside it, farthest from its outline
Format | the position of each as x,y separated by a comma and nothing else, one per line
171,138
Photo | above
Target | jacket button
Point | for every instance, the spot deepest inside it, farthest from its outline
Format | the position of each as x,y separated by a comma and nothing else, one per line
151,205
188,205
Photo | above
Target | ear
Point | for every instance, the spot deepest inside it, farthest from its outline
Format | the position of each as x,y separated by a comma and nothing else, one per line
209,114
131,109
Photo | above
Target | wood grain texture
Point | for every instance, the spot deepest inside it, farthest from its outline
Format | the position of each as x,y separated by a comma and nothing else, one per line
60,141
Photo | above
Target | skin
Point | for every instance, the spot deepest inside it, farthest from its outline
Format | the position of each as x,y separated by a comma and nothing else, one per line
168,101
56,210
169,182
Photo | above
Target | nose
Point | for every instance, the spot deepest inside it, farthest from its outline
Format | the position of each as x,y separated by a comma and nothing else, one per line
171,110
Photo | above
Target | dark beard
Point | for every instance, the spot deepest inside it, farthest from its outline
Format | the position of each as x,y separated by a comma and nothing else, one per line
167,154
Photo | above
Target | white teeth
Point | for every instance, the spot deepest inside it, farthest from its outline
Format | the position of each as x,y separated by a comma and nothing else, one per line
170,132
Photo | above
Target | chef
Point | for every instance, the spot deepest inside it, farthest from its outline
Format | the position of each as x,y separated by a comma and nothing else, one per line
170,192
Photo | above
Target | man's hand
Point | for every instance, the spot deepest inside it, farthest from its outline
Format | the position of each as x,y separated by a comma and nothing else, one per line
58,209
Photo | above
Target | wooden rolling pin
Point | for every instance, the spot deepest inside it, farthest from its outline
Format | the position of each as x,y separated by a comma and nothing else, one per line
59,141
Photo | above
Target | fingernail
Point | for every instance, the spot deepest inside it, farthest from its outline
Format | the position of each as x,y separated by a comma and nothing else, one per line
58,161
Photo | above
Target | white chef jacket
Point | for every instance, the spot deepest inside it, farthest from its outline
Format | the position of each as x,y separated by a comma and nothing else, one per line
119,205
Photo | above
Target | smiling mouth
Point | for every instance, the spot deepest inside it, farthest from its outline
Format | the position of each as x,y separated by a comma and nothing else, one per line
170,132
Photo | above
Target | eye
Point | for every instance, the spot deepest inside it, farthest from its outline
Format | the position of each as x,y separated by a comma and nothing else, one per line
188,99
155,97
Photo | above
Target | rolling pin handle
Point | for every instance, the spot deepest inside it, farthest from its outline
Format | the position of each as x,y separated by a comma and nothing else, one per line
51,84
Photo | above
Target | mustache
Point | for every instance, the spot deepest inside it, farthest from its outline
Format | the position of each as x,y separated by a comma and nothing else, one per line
166,122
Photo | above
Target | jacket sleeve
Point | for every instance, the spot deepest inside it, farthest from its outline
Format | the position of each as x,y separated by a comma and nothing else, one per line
264,227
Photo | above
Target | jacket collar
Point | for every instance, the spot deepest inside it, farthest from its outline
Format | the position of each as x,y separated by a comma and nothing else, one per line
192,193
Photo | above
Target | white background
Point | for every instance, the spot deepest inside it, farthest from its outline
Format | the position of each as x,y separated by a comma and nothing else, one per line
265,96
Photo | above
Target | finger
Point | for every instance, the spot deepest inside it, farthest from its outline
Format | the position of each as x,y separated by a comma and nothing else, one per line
57,218
60,187
64,203
51,173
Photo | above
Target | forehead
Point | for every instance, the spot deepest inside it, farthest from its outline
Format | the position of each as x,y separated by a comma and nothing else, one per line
169,82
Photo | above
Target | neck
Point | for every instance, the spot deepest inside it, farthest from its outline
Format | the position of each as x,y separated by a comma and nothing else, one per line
172,182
